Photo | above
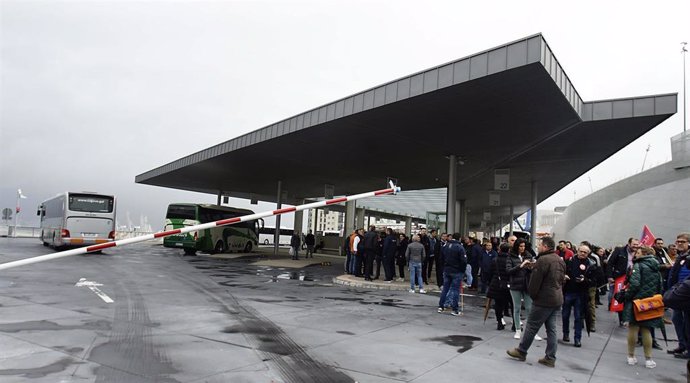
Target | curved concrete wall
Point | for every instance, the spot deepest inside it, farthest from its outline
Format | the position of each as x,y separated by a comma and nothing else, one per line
658,198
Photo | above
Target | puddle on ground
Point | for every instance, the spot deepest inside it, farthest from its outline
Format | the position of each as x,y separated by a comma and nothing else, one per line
344,299
464,342
390,302
345,332
294,275
40,372
45,325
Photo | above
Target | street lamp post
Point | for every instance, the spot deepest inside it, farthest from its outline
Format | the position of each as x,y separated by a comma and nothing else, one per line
685,115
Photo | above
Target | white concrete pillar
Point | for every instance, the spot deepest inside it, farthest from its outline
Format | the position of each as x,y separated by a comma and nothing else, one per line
279,204
350,213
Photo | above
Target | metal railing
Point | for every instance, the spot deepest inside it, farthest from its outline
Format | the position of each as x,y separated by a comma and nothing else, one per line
21,231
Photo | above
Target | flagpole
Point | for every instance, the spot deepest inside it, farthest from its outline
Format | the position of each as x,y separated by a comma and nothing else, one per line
17,209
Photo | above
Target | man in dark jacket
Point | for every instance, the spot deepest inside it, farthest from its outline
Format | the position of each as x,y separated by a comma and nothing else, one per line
439,257
680,272
678,298
485,262
546,290
453,271
664,261
390,246
473,260
618,264
295,243
575,292
309,240
371,242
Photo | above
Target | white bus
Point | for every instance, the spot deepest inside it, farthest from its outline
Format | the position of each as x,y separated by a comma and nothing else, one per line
266,236
77,219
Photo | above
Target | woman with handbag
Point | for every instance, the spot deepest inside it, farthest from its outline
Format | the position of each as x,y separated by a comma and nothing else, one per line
644,283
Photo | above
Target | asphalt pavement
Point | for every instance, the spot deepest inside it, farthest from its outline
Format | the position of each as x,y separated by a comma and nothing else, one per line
144,313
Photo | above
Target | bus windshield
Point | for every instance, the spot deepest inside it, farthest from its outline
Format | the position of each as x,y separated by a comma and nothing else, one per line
181,212
90,203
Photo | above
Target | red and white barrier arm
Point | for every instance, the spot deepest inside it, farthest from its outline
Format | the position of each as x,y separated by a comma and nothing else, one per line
223,222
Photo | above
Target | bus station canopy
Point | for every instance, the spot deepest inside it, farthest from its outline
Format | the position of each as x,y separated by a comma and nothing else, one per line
510,107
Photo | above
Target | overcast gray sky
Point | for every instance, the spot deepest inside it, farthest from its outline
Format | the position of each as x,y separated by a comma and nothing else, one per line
95,92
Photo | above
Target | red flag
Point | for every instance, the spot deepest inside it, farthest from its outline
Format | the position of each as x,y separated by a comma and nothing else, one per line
18,209
618,285
647,237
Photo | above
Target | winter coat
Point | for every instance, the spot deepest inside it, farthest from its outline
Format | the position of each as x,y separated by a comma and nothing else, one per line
295,241
455,258
390,246
475,255
678,297
578,270
618,262
643,282
546,282
400,255
415,252
371,240
500,280
519,277
486,261
674,274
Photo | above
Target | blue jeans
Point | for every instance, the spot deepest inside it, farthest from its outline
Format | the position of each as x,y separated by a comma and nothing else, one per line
416,271
348,260
678,320
539,316
574,301
451,290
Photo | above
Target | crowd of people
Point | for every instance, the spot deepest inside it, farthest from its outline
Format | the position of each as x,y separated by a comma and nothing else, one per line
539,284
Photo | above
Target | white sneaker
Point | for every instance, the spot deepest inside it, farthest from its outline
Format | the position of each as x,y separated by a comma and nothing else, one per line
632,360
649,363
412,291
401,279
518,334
537,337
422,291
503,321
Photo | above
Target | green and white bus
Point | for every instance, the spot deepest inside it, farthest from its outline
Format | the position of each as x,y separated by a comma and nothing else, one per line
242,236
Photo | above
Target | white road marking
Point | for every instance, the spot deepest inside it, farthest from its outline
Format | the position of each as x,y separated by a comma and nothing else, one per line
93,287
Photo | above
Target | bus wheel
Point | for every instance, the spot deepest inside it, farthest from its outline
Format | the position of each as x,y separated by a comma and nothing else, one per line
219,247
189,251
265,241
248,247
